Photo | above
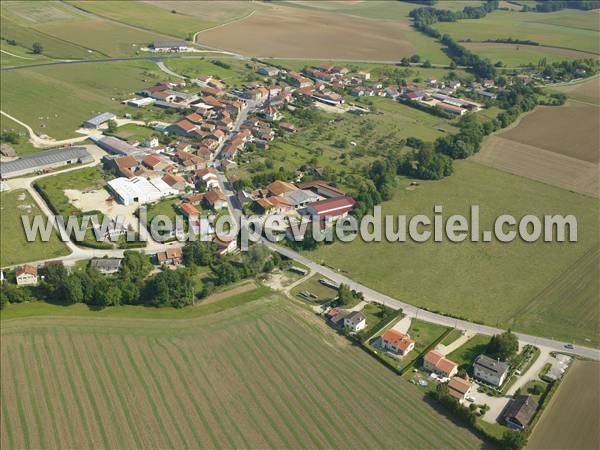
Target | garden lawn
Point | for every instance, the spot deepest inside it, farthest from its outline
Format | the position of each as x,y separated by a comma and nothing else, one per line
494,283
14,246
465,355
424,334
313,286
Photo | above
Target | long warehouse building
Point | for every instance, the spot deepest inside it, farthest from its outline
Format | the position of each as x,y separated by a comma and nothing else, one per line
45,160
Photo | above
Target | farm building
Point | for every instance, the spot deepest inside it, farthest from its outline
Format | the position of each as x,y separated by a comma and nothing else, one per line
519,412
100,119
140,190
140,102
330,209
116,146
490,370
169,46
48,159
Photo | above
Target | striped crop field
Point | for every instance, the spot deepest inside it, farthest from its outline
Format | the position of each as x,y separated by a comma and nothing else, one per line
266,374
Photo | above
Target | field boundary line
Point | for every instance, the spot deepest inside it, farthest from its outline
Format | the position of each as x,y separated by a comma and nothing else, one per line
238,19
16,56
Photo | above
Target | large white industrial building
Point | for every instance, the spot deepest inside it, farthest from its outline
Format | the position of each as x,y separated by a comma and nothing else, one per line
140,190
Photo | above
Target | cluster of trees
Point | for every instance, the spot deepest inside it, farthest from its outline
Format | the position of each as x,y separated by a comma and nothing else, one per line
557,5
347,296
510,40
12,137
132,284
567,70
423,18
428,15
503,346
467,141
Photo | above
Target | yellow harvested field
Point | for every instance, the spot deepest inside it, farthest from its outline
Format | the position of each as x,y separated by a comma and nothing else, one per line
571,418
541,165
281,32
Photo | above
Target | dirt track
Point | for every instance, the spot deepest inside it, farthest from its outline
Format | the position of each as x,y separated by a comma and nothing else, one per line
285,32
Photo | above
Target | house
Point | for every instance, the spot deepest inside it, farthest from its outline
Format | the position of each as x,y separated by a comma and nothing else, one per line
397,342
106,265
208,177
454,84
299,81
268,71
330,209
286,126
215,199
437,363
27,275
364,75
413,95
174,181
100,119
355,321
125,165
357,92
224,247
275,205
183,128
169,46
459,388
151,142
490,370
171,256
336,317
188,210
519,412
114,229
271,113
488,84
155,162
279,187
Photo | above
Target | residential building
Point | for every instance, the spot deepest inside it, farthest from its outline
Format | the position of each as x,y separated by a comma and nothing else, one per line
286,126
490,370
26,275
224,247
208,177
100,119
299,81
355,321
171,256
268,71
336,317
437,363
106,265
189,210
279,187
459,388
215,199
397,342
175,181
519,412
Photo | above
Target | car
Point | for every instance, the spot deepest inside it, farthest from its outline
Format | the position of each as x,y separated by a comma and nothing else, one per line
470,399
569,346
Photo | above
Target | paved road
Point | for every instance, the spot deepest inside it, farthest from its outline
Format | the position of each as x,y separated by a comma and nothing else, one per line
422,314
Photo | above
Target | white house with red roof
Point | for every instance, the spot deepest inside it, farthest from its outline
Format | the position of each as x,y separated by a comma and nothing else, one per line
437,363
397,342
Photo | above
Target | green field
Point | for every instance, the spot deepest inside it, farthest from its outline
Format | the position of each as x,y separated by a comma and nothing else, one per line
14,247
248,377
577,30
495,283
424,334
240,72
132,131
524,55
313,286
72,93
146,16
54,187
66,32
23,147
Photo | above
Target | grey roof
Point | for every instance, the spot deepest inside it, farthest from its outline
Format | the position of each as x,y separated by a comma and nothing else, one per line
491,364
114,145
521,410
43,159
100,119
299,197
169,44
107,264
356,314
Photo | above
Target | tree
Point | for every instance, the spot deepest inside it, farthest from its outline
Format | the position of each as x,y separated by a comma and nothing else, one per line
135,266
37,48
73,290
415,58
198,253
225,273
513,440
503,346
427,64
112,126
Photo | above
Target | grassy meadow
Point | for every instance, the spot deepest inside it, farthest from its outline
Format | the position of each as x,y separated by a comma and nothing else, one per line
72,93
266,374
14,247
577,30
494,283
